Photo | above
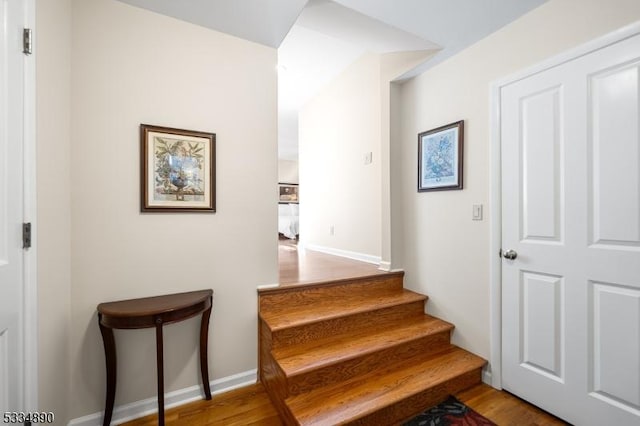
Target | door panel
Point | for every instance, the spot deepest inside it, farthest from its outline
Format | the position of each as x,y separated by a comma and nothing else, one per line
541,143
616,356
571,210
542,334
615,154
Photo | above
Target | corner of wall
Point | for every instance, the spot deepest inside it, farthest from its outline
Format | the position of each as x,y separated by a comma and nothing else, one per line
53,128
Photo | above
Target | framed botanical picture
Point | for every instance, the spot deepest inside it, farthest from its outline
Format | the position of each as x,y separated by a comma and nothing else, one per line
177,170
288,193
440,158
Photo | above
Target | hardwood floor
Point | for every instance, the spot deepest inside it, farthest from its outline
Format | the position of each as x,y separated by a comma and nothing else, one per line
505,409
241,407
298,266
251,406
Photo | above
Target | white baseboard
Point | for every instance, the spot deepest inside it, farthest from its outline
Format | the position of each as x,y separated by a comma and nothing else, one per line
145,407
385,266
344,253
486,376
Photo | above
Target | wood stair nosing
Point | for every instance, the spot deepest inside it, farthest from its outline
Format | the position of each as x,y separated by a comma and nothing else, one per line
363,395
409,407
331,309
345,370
318,363
276,294
301,367
337,348
282,303
354,323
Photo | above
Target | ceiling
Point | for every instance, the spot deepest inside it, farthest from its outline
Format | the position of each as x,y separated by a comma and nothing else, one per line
263,21
317,39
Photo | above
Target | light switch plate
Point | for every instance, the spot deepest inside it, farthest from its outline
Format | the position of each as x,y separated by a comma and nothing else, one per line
368,158
477,212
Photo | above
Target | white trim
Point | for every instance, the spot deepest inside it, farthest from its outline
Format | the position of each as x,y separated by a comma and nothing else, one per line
137,409
385,266
30,256
495,265
574,53
267,286
487,376
495,242
344,253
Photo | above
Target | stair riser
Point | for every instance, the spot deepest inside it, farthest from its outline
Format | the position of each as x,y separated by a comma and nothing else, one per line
309,294
271,375
346,325
397,413
347,369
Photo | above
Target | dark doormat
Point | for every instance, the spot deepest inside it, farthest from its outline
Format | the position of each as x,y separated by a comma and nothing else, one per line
449,413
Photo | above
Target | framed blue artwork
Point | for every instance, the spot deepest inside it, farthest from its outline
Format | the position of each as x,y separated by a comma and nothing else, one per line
440,158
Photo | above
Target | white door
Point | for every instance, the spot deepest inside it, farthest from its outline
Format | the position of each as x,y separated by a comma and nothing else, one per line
11,206
571,213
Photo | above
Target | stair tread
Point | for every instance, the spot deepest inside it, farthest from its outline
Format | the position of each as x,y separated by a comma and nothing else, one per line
301,358
324,309
362,395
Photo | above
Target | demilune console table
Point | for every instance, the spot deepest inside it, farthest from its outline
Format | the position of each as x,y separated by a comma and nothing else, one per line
153,312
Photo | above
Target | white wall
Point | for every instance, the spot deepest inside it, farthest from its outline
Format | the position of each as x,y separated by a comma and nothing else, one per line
288,171
53,128
446,254
336,129
131,66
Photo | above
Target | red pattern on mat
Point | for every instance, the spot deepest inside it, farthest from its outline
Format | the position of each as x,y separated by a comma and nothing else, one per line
449,413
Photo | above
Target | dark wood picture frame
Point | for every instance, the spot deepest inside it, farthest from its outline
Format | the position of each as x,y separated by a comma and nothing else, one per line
177,170
440,158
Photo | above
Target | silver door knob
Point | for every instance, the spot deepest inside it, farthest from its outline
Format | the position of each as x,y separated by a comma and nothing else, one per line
510,254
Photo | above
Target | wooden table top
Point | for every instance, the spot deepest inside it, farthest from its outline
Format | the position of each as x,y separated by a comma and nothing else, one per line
156,305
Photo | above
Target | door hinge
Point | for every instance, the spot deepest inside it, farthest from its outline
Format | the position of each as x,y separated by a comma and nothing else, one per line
27,41
26,235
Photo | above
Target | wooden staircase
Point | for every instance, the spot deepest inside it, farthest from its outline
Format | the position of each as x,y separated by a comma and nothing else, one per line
357,351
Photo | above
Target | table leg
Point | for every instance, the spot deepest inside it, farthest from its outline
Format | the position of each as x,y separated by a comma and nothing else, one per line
160,368
110,359
204,359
